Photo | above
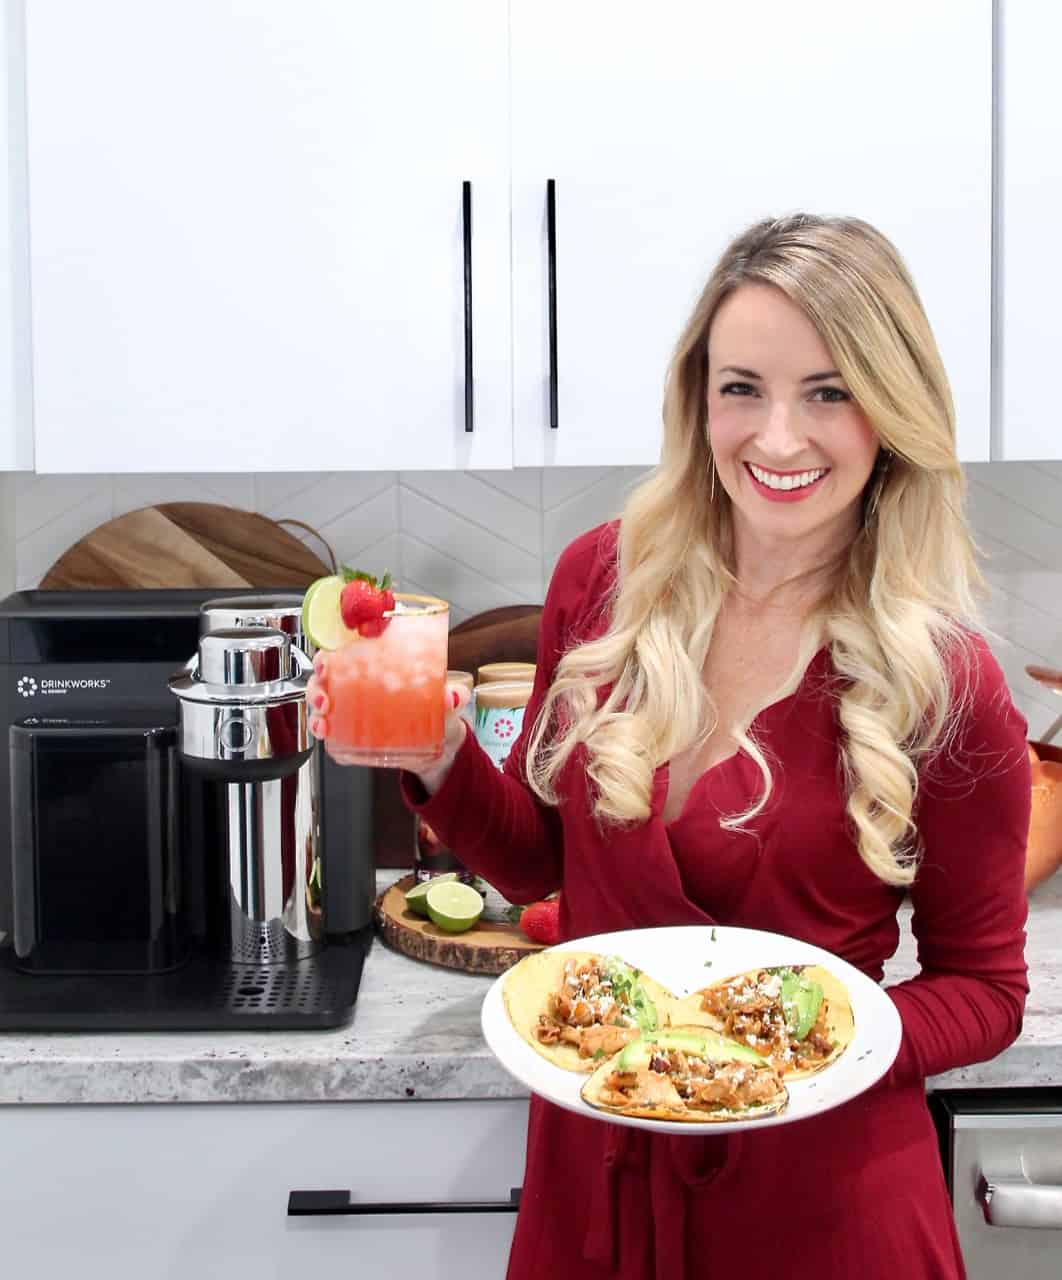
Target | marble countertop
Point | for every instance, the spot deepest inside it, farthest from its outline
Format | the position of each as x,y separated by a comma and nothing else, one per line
415,1034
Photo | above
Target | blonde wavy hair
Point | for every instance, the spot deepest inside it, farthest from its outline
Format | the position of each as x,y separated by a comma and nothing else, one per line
895,613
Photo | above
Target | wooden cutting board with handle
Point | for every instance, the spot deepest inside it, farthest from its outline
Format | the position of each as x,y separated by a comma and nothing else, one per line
489,947
186,544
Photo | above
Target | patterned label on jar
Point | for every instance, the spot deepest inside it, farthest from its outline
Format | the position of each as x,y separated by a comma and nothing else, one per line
497,728
498,723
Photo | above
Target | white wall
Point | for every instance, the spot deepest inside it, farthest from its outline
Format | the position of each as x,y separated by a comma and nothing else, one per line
7,533
483,539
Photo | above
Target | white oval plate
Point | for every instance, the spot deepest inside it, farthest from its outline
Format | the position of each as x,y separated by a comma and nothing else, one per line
684,959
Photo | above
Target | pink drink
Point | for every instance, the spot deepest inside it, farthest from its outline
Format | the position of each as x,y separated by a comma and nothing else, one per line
387,691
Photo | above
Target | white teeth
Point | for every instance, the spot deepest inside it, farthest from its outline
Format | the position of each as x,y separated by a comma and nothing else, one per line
799,480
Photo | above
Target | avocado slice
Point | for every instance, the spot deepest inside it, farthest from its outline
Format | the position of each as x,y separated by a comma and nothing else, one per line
639,1053
801,1001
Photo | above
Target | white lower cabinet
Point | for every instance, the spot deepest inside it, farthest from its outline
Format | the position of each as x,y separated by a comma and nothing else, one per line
174,1192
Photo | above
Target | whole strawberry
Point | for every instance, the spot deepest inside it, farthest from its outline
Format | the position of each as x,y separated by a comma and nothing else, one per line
363,602
359,601
541,922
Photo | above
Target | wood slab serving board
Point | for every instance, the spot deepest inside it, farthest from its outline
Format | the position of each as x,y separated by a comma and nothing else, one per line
186,544
488,948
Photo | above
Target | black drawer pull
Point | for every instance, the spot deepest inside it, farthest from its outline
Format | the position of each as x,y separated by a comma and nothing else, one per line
469,384
307,1204
551,235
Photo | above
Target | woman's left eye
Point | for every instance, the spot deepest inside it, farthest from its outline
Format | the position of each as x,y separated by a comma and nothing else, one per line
832,395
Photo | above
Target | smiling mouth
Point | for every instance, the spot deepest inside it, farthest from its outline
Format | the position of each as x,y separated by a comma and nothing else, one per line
786,481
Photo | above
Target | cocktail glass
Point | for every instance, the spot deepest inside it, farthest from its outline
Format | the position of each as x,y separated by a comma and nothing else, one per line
387,691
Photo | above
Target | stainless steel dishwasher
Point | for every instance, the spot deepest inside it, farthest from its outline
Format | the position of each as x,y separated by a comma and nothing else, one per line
1002,1153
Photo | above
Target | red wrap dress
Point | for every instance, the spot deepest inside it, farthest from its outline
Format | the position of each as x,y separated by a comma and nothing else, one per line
858,1191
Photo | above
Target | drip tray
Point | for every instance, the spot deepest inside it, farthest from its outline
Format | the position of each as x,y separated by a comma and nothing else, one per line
204,994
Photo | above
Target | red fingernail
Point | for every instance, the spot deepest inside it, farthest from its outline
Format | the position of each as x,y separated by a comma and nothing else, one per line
455,697
318,665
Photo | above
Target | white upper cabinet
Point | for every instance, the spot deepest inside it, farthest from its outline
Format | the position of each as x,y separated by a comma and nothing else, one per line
1030,275
247,247
16,412
669,128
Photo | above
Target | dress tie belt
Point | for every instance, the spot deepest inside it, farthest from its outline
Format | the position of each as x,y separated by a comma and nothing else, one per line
675,1167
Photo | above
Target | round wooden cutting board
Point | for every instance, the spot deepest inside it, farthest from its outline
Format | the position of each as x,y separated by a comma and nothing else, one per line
488,948
186,544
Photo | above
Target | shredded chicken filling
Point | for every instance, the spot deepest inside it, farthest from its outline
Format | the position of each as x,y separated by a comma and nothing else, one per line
752,1013
685,1083
586,1012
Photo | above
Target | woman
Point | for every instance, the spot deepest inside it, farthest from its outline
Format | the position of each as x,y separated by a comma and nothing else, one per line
759,703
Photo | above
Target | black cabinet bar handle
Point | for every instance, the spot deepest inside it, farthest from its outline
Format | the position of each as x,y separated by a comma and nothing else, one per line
316,1204
467,214
551,234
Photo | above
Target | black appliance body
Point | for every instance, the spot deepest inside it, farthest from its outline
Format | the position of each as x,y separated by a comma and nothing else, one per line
113,869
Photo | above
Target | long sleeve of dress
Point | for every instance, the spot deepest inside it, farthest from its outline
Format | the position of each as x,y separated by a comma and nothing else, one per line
969,900
492,820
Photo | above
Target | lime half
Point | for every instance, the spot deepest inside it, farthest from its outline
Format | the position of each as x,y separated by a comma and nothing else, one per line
321,619
415,898
453,906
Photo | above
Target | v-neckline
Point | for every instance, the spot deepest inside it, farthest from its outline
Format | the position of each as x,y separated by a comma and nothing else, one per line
664,771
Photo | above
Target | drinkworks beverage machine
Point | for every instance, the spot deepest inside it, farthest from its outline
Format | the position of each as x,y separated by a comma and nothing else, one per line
175,850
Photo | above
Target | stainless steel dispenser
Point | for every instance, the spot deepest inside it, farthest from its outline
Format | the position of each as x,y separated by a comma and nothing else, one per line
345,792
280,610
243,730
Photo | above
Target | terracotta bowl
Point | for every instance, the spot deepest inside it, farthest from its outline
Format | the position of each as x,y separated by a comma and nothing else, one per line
1044,851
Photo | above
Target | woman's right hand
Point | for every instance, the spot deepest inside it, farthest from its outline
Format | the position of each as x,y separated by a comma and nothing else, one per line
319,702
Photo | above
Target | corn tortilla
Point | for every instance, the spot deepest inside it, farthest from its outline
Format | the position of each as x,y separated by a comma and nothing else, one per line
840,1021
528,984
593,1088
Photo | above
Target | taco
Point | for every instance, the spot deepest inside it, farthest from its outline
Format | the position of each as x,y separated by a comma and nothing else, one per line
576,1007
797,1017
688,1074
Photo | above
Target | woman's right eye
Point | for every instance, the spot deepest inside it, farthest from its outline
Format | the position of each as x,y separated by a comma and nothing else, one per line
737,389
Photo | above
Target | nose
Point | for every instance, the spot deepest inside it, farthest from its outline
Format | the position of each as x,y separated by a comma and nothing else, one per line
781,438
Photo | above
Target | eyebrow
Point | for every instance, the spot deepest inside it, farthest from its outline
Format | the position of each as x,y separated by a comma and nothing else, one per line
748,373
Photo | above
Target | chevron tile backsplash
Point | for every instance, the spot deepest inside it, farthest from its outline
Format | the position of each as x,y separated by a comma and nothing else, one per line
484,539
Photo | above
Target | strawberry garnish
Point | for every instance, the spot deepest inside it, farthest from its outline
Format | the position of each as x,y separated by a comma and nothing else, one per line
370,628
363,602
359,601
541,922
